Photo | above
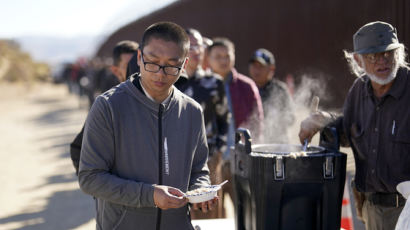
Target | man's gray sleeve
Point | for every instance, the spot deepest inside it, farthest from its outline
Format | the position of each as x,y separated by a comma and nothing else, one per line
97,158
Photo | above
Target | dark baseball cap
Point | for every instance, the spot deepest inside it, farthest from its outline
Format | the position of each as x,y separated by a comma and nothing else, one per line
375,37
263,56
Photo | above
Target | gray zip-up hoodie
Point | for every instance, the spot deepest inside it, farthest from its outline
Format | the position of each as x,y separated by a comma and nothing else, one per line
125,146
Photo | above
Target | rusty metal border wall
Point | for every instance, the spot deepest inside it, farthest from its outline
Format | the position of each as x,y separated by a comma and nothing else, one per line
306,37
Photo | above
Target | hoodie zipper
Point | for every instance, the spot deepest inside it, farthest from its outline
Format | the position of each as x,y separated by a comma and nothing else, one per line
161,109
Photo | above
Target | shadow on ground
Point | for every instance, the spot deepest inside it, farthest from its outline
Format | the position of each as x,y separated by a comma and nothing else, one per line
57,179
65,210
58,116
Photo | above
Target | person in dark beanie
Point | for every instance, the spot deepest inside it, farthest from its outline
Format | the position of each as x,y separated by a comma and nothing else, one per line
145,143
375,123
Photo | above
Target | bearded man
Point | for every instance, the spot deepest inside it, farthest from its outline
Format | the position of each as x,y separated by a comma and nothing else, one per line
375,122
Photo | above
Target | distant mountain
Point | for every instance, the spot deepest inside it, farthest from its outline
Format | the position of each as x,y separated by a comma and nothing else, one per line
55,50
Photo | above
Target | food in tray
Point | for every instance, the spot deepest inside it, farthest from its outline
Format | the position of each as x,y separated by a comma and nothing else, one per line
201,194
204,193
199,191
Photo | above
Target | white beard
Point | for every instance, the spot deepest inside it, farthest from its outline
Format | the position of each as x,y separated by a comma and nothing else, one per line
387,80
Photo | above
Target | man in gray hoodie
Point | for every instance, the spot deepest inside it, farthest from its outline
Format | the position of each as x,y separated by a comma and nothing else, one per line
145,142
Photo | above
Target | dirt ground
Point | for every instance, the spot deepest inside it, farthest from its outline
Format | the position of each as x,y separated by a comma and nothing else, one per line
39,188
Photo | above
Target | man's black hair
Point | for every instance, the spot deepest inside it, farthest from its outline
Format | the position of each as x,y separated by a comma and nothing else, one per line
123,47
222,41
167,31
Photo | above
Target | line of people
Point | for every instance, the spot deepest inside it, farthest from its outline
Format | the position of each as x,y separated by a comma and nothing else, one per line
169,127
227,98
92,77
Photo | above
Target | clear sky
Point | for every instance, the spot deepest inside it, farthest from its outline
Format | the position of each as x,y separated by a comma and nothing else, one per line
69,18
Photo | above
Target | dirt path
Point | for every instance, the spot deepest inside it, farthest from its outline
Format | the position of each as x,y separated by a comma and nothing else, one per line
39,189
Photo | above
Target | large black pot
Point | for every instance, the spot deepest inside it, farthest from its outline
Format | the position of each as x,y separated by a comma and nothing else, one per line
278,187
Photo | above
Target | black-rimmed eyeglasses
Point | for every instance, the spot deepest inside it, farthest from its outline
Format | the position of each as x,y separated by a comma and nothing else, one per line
155,68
